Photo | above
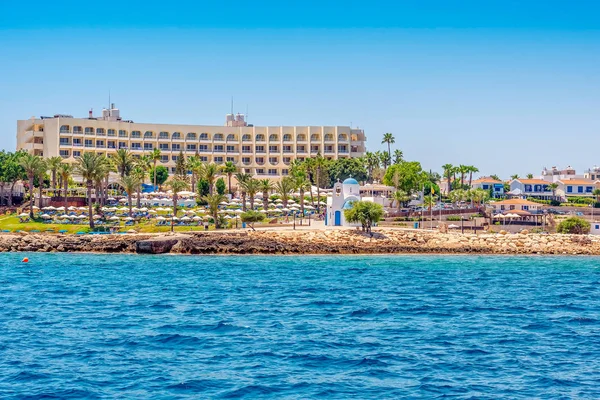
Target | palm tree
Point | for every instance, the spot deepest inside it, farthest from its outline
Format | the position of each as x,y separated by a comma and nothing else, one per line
462,170
104,168
88,166
41,173
398,156
320,164
385,158
53,165
213,201
139,172
285,187
210,173
177,185
155,156
389,139
448,168
229,168
371,162
265,187
472,169
123,160
553,186
495,177
301,184
596,194
252,186
400,196
242,178
529,176
31,164
515,176
130,184
196,167
429,202
65,170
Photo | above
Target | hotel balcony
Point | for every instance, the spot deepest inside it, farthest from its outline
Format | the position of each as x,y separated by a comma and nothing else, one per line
33,146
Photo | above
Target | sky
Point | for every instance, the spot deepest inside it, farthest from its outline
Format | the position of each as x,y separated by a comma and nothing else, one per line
507,86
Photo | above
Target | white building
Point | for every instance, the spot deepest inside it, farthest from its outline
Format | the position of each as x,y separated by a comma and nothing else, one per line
487,183
344,194
264,151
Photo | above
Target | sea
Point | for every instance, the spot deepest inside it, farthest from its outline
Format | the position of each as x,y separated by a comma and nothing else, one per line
299,327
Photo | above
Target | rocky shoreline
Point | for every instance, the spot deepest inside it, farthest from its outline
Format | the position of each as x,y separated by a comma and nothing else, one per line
383,241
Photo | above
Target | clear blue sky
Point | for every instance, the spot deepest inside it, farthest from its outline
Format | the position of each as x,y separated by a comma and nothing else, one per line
508,86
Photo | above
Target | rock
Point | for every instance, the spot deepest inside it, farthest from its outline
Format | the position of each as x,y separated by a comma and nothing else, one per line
156,246
503,232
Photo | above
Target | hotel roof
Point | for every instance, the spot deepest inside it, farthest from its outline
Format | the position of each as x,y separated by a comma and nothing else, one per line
520,202
533,181
577,181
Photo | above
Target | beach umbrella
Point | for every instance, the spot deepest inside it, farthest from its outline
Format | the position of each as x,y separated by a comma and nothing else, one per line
185,218
114,218
123,201
23,215
263,211
82,208
46,216
285,209
66,216
452,226
278,201
60,209
35,207
111,199
152,212
223,203
128,219
159,218
96,216
499,216
71,208
197,218
175,219
81,216
143,209
227,217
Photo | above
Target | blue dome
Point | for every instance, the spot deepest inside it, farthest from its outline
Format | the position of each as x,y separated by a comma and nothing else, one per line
350,181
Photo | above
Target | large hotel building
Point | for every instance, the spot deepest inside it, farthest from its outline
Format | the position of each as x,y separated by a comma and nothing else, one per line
258,150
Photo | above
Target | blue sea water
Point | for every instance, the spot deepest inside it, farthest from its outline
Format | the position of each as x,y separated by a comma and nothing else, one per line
127,326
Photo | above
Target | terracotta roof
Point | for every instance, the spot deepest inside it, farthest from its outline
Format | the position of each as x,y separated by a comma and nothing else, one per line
485,180
577,182
521,202
533,181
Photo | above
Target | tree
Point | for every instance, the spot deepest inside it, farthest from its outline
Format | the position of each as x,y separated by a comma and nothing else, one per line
31,165
384,158
320,179
65,171
266,186
407,176
364,212
139,172
400,197
479,196
462,170
389,139
251,187
398,156
160,174
203,188
495,177
123,160
372,161
181,167
53,165
458,196
241,178
210,173
88,166
104,168
596,194
220,185
448,168
471,170
130,184
41,174
251,217
196,167
285,187
177,185
155,156
301,184
553,186
529,176
344,168
515,176
213,201
429,202
13,172
229,168
574,225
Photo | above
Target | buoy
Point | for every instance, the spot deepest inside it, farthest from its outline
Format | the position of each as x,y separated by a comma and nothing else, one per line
26,259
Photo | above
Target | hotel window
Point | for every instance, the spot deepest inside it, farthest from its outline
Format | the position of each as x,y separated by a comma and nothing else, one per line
190,136
314,148
342,137
191,147
260,137
218,136
88,143
203,158
89,131
300,159
174,158
173,170
272,172
246,149
111,132
246,138
287,149
111,144
175,146
163,146
273,160
287,160
219,160
579,189
287,137
64,153
246,160
329,149
148,146
569,189
148,135
588,189
230,159
164,159
163,135
273,137
259,149
273,149
203,147
65,129
100,131
136,134
64,141
230,148
76,153
77,129
218,148
315,137
122,145
176,135
329,137
525,208
300,149
204,136
231,137
100,143
285,172
260,171
136,146
342,148
122,133
301,138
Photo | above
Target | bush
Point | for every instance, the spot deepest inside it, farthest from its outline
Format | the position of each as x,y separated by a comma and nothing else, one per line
554,203
250,217
453,218
574,225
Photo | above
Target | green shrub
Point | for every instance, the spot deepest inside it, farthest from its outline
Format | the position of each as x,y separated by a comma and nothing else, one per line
574,225
453,218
